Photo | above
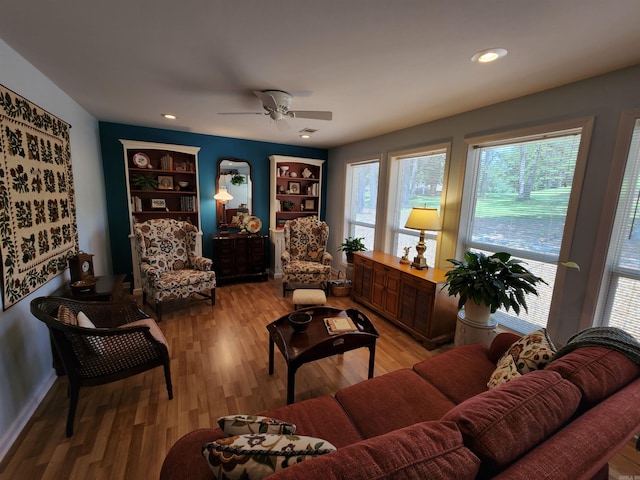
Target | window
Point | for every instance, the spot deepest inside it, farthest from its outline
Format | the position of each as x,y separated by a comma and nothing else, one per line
518,196
419,180
361,189
622,278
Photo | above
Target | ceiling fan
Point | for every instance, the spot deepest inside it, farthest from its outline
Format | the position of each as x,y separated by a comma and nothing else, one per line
277,103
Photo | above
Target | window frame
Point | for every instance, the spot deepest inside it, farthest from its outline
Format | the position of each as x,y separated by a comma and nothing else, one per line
392,210
562,278
348,223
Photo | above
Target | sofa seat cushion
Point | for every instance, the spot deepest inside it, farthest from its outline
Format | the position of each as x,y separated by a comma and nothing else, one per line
460,373
596,371
429,450
502,424
402,398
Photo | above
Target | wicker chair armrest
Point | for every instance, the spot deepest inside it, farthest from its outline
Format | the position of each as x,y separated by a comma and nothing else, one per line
326,258
200,263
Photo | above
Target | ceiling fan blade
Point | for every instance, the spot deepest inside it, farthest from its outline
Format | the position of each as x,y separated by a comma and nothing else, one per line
266,99
243,113
317,115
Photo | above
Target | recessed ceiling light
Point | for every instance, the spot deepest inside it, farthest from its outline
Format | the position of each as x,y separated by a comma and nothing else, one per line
489,55
169,116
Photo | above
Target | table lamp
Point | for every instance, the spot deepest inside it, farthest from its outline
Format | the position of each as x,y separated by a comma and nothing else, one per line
422,219
223,196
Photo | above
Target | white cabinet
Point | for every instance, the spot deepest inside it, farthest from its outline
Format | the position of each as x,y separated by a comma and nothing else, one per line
295,191
171,174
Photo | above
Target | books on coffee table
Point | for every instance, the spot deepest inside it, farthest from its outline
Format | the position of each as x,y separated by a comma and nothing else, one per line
336,325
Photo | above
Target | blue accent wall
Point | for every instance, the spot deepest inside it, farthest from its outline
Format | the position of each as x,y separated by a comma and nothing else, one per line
212,149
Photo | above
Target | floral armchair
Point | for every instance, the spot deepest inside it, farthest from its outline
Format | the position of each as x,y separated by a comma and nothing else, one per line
169,266
305,258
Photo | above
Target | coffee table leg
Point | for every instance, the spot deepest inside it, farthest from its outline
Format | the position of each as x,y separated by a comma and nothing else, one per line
291,384
372,358
271,345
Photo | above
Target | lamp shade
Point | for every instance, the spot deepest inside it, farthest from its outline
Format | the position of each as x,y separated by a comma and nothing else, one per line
423,219
223,195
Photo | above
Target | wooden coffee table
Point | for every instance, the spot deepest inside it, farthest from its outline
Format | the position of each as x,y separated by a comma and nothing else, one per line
316,343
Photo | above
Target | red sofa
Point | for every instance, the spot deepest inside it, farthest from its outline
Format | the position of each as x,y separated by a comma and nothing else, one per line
438,420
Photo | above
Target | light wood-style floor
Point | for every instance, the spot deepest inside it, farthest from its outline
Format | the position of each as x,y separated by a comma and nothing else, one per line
219,366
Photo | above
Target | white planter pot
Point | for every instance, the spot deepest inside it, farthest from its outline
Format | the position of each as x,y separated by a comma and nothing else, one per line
480,314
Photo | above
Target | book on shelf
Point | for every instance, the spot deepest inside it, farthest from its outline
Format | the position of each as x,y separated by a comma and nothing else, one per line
336,325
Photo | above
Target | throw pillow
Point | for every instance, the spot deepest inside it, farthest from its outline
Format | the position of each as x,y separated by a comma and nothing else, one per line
529,353
255,456
95,344
65,315
244,424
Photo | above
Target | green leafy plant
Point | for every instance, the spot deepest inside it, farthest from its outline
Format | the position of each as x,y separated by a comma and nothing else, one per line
496,281
351,245
238,179
288,205
144,182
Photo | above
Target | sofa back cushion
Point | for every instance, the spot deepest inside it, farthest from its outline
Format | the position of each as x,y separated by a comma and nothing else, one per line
502,424
597,371
428,450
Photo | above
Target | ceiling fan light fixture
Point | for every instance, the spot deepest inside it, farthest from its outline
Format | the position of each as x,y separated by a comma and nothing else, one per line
489,55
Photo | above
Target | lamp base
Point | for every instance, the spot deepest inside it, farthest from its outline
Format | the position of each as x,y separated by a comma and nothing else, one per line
419,263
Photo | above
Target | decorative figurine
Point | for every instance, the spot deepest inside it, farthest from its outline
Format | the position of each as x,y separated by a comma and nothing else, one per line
405,257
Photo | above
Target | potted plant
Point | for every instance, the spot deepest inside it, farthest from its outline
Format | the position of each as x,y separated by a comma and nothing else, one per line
486,283
144,182
351,245
237,179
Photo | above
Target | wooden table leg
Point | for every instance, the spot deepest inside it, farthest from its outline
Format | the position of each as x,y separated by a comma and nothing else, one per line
271,351
372,358
291,384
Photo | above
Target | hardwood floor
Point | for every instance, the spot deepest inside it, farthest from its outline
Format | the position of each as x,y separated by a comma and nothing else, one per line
219,366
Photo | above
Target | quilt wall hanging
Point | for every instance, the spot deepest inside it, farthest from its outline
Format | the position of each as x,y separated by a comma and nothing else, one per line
38,226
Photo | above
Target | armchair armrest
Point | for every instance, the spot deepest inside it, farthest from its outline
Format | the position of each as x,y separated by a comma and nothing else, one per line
326,258
150,272
110,314
285,258
200,263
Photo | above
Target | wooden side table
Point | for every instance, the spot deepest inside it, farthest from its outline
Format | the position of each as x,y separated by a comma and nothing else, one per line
106,287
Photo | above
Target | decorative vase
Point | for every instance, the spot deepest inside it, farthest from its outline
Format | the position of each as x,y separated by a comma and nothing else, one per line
480,314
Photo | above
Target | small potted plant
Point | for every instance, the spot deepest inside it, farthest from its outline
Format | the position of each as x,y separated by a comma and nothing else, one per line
351,245
144,182
487,283
238,179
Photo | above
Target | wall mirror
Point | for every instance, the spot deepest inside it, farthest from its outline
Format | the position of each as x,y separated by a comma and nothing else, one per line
235,176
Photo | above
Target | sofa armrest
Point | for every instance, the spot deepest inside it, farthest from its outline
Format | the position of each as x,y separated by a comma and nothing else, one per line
501,344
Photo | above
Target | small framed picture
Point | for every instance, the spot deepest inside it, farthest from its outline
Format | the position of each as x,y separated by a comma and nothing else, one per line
158,203
165,182
294,188
309,204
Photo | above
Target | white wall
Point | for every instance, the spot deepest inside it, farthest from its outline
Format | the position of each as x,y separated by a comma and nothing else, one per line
604,97
25,353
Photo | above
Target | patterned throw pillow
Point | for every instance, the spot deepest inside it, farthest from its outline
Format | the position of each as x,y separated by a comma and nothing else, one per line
532,352
255,456
244,424
65,315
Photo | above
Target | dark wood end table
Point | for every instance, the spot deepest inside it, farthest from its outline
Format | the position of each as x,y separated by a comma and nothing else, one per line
316,343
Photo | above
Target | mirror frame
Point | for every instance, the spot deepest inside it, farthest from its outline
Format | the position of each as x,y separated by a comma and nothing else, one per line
219,204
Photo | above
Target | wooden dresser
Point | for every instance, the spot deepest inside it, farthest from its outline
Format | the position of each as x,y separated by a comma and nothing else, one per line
412,299
238,257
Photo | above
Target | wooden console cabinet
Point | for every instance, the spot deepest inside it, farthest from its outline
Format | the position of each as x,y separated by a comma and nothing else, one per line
239,256
412,299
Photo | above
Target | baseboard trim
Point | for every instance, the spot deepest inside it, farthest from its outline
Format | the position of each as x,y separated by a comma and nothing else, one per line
8,439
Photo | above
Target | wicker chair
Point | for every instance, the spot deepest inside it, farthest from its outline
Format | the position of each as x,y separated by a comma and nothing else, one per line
305,259
169,266
124,342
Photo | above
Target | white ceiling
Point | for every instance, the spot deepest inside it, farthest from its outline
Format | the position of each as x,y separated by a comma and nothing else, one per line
379,65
